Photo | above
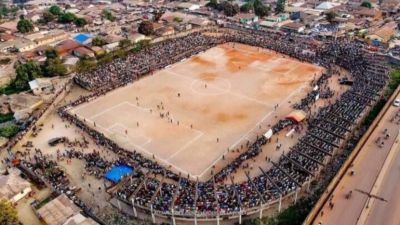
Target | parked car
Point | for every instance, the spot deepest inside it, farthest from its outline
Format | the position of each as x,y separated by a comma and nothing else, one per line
396,102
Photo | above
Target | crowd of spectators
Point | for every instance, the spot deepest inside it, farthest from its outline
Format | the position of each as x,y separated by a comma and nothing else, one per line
327,129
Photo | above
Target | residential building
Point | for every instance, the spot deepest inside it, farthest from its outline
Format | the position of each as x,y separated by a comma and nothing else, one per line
373,14
83,52
294,27
67,46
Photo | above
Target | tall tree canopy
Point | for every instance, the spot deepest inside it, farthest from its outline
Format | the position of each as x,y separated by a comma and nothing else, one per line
24,25
366,4
260,9
146,28
330,16
25,73
280,6
228,8
55,10
107,14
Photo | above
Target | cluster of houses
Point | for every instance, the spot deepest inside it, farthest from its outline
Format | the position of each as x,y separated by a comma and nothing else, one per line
52,210
73,43
377,24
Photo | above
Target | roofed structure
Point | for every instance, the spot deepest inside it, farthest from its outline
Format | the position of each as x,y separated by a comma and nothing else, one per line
58,211
13,187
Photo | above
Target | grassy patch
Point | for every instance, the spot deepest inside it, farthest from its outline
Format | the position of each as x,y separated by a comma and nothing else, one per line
9,130
8,90
394,82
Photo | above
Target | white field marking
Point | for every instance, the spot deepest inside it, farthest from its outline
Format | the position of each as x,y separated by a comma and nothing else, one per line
185,146
107,110
148,140
245,136
142,149
170,115
84,105
223,89
234,144
197,55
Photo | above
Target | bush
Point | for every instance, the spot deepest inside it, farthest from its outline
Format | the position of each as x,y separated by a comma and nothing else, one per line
9,130
55,10
98,41
366,4
9,89
25,73
6,117
24,26
146,28
106,14
5,61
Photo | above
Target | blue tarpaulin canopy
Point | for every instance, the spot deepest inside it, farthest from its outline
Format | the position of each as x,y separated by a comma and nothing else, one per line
117,172
81,38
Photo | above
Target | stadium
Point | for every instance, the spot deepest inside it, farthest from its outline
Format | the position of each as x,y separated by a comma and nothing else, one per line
223,123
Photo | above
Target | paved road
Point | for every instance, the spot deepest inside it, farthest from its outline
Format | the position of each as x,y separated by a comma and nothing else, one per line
381,212
377,172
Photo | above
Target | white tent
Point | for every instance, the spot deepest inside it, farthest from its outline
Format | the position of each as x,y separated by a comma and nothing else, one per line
268,134
326,6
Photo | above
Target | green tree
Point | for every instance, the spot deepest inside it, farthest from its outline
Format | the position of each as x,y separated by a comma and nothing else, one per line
247,7
98,41
8,131
141,45
212,4
178,19
85,65
25,73
24,25
146,28
80,22
228,8
107,14
54,67
366,4
46,17
4,11
8,213
55,10
280,6
66,18
260,9
51,53
330,16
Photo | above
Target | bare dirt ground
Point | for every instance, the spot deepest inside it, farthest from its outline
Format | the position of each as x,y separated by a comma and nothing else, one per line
188,115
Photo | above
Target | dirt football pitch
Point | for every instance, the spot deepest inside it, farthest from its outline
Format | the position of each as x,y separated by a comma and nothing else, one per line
189,114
